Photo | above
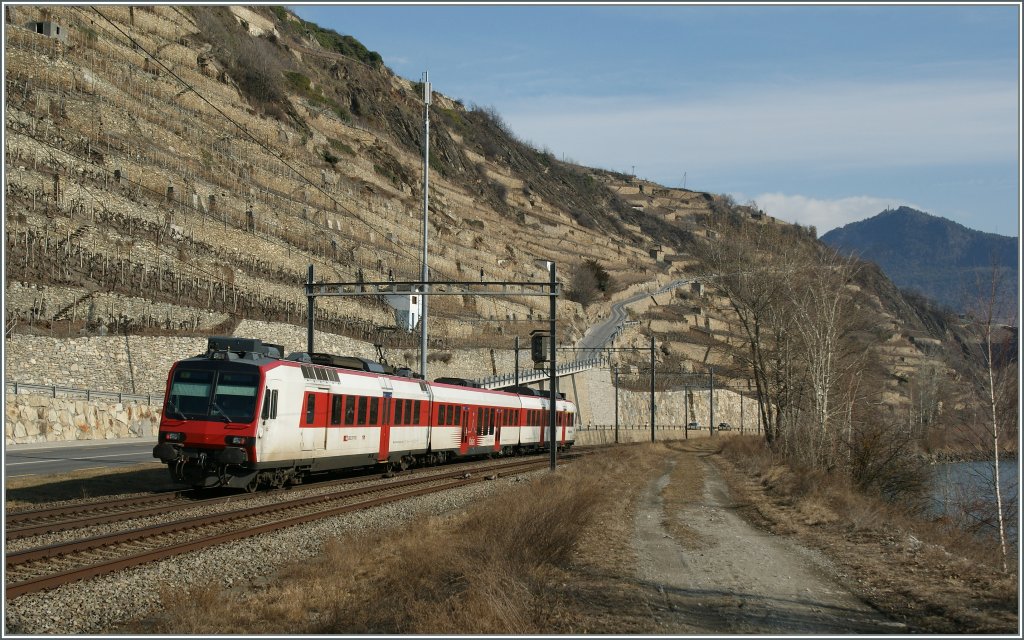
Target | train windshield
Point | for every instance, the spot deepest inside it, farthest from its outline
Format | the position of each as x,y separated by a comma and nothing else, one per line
211,394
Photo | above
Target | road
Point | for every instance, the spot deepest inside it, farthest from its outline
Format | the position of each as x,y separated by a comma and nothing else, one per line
735,579
600,335
64,457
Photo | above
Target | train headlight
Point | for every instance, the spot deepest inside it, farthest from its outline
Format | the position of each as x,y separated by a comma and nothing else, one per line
174,436
240,441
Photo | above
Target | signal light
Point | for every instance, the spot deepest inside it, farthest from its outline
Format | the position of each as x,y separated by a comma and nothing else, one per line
540,345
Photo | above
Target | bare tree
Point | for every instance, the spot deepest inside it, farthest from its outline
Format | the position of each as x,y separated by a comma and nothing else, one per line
749,265
825,318
995,384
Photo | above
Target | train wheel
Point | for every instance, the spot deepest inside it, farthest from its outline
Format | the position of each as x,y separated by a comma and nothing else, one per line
253,484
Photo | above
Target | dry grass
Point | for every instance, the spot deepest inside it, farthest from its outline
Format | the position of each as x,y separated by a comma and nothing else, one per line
500,567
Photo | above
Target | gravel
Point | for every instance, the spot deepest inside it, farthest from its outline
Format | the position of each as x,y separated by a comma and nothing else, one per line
102,604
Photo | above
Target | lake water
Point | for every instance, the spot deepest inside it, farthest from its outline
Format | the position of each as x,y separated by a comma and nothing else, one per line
958,482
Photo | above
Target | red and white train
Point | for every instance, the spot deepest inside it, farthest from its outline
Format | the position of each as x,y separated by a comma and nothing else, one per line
242,416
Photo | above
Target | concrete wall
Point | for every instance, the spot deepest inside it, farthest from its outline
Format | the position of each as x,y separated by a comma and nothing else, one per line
594,394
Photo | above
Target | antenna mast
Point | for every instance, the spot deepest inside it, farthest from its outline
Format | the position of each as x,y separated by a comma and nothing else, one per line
424,272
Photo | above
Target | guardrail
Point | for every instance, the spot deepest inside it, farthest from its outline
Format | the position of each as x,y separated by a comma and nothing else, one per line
533,375
55,391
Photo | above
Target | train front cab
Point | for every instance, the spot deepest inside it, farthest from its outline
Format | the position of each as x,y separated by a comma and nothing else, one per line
208,426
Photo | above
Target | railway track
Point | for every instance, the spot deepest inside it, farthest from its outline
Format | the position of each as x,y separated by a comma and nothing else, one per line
50,566
35,522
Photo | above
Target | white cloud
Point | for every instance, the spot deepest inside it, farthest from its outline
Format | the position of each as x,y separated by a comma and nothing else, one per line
843,125
825,215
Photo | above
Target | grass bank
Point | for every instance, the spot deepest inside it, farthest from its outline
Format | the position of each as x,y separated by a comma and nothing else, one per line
500,566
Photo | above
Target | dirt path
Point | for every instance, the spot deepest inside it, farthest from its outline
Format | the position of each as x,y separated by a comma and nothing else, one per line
729,577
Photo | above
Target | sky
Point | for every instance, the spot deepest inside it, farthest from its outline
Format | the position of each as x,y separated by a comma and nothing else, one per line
823,115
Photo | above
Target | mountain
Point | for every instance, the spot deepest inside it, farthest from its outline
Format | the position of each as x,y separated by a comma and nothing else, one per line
173,171
936,257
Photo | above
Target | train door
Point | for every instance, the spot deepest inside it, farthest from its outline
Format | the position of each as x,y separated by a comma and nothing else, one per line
313,421
467,425
268,416
385,423
499,420
542,422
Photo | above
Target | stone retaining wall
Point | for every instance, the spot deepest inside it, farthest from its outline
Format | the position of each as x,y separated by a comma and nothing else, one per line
101,363
37,418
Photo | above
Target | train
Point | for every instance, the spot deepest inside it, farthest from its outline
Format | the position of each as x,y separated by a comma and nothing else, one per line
243,416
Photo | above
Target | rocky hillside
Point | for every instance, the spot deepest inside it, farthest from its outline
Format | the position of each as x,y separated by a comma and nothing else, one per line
173,171
930,255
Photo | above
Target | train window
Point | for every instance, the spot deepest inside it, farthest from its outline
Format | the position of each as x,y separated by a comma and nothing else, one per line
333,375
451,415
362,409
310,408
416,412
350,409
336,402
269,404
399,411
374,409
458,415
408,412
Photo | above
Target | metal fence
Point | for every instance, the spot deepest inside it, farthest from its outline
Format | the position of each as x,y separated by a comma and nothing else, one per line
532,375
55,391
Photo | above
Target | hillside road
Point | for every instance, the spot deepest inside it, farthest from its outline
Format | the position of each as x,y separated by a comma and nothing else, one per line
601,334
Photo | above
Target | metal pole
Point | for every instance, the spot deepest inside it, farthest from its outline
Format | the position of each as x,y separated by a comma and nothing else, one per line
517,361
711,401
652,388
424,271
551,351
309,309
686,412
742,398
615,370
